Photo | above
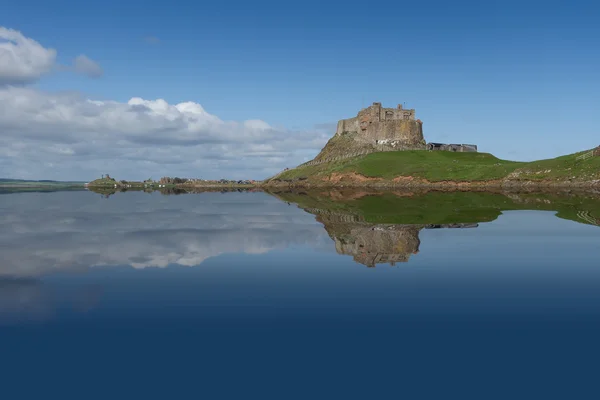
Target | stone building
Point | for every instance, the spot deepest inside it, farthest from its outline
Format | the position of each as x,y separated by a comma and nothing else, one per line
461,148
391,127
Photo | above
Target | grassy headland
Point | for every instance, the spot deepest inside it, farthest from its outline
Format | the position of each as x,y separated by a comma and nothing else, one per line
425,167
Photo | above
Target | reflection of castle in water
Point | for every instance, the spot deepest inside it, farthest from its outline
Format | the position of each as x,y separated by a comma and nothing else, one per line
371,244
376,244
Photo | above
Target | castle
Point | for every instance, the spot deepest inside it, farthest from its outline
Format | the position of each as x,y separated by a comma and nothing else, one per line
392,127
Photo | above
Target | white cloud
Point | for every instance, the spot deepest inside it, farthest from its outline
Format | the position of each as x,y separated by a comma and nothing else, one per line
82,138
23,60
85,66
67,136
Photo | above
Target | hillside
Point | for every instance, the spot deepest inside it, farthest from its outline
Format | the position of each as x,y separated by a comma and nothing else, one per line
103,182
420,167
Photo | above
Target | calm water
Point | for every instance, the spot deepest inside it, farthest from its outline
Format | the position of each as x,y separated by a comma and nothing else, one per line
250,295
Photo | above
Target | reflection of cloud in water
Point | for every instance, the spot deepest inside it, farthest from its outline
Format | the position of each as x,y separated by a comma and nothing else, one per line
76,230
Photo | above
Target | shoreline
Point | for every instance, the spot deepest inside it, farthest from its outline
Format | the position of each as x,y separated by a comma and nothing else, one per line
359,182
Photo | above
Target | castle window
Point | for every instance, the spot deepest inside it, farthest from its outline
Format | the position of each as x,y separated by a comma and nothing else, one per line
406,116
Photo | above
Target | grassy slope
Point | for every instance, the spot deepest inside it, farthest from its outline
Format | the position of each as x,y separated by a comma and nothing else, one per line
341,145
562,168
446,208
448,166
103,182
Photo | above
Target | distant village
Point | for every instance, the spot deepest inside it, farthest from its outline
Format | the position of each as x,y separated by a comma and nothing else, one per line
166,182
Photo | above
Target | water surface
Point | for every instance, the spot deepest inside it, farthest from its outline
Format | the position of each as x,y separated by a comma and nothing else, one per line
299,295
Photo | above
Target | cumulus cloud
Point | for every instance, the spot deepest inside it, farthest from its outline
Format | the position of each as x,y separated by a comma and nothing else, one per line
67,136
85,66
23,60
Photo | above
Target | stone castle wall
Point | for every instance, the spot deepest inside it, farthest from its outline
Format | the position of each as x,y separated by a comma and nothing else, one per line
375,124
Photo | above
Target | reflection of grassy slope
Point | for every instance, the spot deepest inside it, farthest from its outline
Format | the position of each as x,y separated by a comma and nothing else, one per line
446,208
437,166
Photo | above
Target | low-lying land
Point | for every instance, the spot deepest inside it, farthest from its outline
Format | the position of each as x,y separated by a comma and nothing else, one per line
442,169
43,184
21,185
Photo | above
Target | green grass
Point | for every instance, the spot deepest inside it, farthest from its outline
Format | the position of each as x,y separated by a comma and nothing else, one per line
111,182
433,166
561,168
103,182
436,166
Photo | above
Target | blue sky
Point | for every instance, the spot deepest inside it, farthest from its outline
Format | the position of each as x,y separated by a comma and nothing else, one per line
520,79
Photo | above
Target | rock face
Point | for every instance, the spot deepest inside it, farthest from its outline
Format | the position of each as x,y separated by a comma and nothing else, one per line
375,129
386,127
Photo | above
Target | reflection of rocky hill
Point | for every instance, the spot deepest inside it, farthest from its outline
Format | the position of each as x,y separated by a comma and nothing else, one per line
377,244
371,244
384,227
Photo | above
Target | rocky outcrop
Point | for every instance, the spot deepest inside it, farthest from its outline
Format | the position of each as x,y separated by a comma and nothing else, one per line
394,127
375,129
